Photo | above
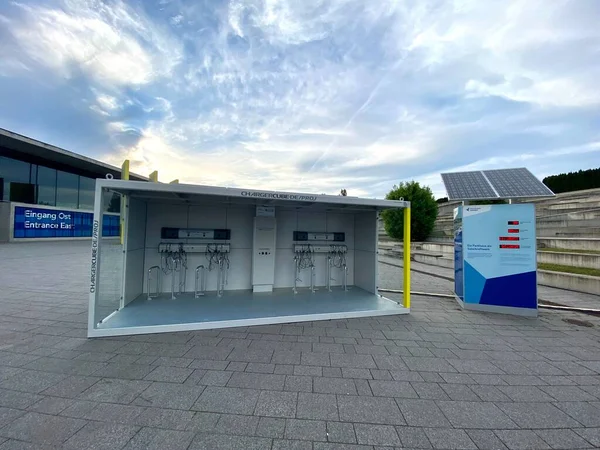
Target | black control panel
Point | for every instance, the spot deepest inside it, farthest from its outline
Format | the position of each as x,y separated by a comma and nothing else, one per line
304,236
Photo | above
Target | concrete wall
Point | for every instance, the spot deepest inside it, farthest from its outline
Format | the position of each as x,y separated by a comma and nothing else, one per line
570,259
4,221
579,283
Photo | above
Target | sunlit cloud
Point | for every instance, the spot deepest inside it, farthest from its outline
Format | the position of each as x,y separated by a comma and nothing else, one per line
312,96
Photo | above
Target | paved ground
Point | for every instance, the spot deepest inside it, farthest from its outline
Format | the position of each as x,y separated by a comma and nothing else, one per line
440,378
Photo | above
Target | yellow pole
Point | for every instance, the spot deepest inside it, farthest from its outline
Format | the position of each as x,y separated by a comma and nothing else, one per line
154,176
406,287
176,181
124,176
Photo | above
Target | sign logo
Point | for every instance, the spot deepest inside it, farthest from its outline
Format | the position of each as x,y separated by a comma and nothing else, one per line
279,196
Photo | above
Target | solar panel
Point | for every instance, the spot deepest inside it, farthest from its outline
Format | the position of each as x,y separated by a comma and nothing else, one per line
467,185
515,183
492,184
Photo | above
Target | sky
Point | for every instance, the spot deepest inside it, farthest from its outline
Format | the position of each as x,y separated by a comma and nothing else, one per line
307,96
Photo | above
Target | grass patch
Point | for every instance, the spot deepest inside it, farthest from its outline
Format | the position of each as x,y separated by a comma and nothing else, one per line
566,250
569,269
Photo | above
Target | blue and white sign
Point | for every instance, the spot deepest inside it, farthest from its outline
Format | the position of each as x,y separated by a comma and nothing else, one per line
35,223
495,258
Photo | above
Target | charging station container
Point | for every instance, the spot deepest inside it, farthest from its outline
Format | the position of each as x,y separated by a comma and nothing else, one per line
202,257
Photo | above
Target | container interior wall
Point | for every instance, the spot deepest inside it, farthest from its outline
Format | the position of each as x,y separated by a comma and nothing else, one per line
239,219
135,240
365,250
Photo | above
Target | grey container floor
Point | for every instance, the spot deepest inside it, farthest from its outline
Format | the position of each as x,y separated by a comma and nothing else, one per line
439,377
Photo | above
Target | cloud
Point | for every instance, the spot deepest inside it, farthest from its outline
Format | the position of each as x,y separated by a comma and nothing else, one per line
309,96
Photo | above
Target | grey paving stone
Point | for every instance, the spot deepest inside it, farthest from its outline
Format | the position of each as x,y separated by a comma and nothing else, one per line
333,372
204,441
79,409
312,371
164,418
334,386
114,391
568,393
31,381
204,352
422,413
110,412
236,424
391,362
363,388
276,404
317,406
348,372
42,428
475,415
459,392
157,439
213,365
124,371
427,364
489,393
405,375
248,355
561,439
169,395
369,410
285,357
257,381
486,439
520,439
270,427
400,389
254,367
412,437
334,446
284,369
341,432
307,430
378,374
7,415
585,413
227,400
457,378
98,435
537,415
522,380
525,393
71,386
203,422
447,439
352,361
475,366
215,378
430,391
376,434
327,348
51,405
298,383
291,445
592,435
169,374
493,380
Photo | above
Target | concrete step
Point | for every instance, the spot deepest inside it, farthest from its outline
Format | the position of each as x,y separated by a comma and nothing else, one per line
572,282
572,232
570,259
569,243
588,214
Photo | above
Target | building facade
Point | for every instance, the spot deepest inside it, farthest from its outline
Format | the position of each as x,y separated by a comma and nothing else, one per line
48,193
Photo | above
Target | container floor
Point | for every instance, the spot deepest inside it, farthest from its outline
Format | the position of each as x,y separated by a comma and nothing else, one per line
243,308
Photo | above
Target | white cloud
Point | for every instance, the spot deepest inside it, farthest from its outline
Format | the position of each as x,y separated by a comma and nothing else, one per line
110,43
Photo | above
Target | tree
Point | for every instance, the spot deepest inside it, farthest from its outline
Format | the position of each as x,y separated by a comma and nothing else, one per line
573,181
343,193
424,210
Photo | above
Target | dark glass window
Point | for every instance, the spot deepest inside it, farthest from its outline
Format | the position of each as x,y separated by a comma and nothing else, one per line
67,189
46,186
87,190
17,173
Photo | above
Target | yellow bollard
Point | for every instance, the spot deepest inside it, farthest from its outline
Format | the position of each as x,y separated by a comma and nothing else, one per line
406,240
124,176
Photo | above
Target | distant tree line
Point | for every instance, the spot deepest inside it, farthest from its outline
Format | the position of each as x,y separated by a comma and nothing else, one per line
573,181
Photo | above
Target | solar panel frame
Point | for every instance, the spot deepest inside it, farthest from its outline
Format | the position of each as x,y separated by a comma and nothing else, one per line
468,186
517,183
